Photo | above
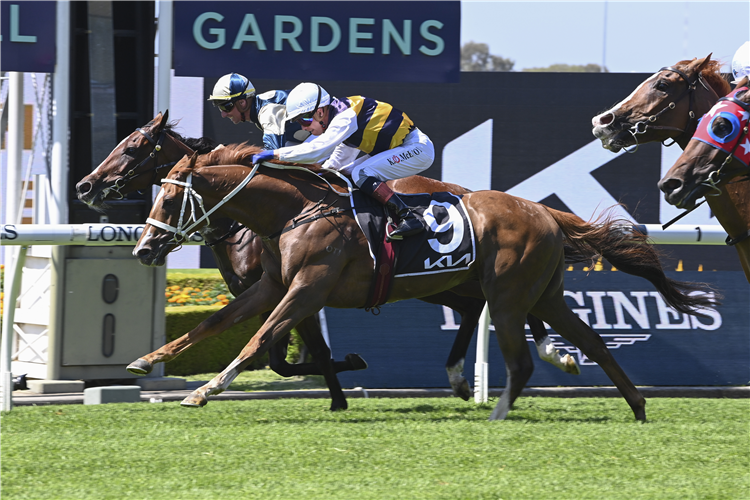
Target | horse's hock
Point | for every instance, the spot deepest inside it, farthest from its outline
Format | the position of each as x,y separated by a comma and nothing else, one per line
102,309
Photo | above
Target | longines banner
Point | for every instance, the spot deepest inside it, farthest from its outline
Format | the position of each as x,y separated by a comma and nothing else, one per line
367,41
407,345
28,36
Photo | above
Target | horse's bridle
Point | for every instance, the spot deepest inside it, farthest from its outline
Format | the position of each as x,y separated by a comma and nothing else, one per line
718,175
642,126
132,173
180,232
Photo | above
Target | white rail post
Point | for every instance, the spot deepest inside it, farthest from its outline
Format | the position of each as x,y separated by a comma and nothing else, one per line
481,367
6,350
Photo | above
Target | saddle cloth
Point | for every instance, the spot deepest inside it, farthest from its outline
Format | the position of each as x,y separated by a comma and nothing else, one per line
447,245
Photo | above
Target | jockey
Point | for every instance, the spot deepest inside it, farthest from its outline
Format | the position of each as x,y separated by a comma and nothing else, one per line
235,97
741,62
393,146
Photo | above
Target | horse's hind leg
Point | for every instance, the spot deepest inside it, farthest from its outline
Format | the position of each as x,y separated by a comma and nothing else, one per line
470,309
553,309
518,363
547,350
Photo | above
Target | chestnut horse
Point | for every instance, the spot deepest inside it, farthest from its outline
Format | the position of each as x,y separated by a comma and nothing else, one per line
518,270
145,156
706,169
667,106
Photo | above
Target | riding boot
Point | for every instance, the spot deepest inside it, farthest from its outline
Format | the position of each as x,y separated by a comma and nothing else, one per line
410,224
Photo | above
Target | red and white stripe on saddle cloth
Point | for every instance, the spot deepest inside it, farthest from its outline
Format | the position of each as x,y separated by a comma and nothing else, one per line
737,113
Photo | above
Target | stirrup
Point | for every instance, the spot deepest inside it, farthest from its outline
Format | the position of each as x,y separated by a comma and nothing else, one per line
403,230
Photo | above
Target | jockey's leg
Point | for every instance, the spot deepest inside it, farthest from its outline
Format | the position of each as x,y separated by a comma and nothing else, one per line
380,191
411,157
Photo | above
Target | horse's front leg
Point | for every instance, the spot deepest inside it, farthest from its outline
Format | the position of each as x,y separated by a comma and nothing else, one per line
299,303
261,297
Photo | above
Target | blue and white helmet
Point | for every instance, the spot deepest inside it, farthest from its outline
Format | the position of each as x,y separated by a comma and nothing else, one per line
305,98
741,62
230,88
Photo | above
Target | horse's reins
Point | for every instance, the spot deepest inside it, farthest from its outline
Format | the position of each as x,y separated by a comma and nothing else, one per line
642,126
130,174
181,234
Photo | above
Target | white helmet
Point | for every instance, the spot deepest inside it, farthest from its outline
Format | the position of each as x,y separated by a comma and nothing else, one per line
230,88
305,98
741,62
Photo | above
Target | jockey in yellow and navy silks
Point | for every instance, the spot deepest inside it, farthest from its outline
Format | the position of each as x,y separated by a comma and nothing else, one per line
393,146
235,97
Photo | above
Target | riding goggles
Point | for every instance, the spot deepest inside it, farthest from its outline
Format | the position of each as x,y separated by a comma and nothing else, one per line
226,107
305,119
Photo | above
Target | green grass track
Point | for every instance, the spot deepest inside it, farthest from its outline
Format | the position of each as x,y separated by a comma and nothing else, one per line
436,448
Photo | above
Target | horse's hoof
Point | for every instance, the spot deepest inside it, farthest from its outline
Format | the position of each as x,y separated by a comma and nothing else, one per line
193,401
140,367
356,361
570,365
339,405
463,391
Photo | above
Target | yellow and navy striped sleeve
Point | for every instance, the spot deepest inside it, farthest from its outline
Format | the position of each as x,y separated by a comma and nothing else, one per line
380,126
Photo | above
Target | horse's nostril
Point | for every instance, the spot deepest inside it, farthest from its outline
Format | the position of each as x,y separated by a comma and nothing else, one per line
142,252
83,188
670,185
605,119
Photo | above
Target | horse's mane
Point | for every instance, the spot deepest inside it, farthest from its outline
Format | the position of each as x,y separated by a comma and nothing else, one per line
242,154
202,145
712,74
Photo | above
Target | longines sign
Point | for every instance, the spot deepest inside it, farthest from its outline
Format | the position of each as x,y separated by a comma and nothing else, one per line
408,343
365,41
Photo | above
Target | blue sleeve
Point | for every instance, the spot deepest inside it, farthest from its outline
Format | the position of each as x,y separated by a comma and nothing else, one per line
273,141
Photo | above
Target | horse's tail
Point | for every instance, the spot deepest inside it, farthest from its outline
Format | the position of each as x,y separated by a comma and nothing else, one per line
630,252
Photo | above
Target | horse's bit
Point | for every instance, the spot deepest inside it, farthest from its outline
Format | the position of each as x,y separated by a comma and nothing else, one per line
122,181
642,126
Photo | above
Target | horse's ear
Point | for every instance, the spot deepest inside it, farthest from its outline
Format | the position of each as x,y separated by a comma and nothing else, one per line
165,119
701,63
193,158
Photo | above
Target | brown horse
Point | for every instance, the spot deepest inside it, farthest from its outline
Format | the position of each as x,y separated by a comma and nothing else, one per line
519,267
705,169
145,156
666,107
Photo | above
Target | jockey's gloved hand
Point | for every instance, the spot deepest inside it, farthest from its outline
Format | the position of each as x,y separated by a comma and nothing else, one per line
263,156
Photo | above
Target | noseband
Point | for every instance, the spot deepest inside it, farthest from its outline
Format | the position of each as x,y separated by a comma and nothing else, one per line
133,172
642,126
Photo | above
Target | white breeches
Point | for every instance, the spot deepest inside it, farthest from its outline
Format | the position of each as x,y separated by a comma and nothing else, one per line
413,156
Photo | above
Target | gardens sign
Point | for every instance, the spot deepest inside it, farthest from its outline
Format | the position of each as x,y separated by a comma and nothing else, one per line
364,41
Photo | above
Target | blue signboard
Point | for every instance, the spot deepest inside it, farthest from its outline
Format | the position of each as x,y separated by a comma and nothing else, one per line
408,343
28,36
355,41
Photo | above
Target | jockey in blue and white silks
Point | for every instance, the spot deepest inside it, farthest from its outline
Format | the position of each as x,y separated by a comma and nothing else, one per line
393,146
237,100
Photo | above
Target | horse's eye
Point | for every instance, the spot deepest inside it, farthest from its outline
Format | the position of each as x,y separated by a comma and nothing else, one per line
661,86
721,127
168,201
129,151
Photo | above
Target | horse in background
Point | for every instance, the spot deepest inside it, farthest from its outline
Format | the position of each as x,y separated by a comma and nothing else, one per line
667,107
718,153
519,266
